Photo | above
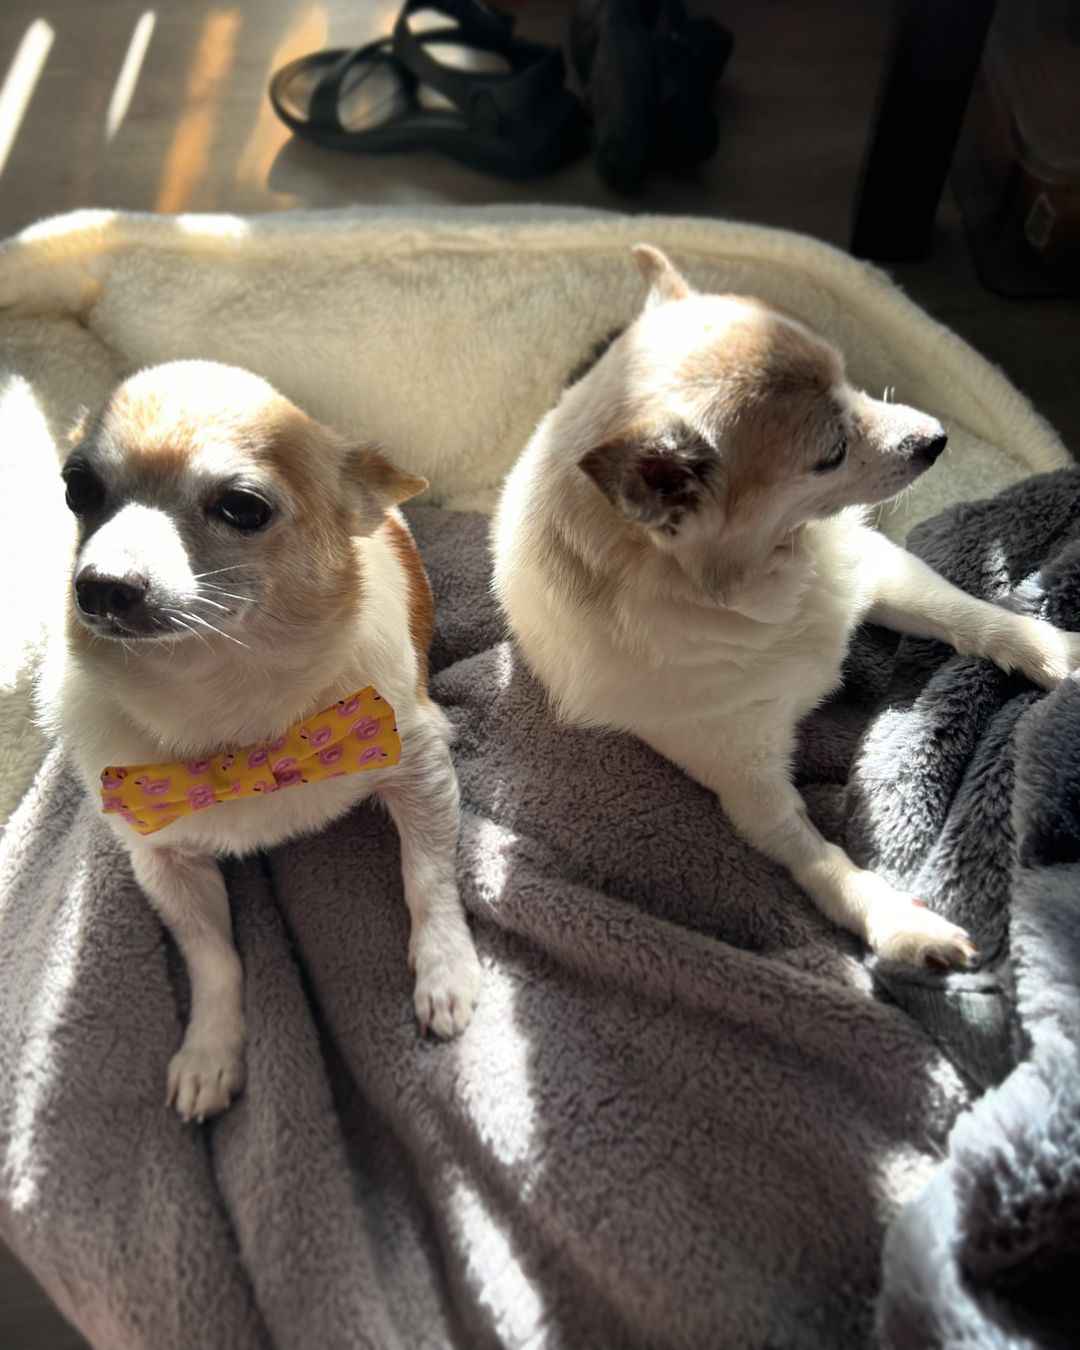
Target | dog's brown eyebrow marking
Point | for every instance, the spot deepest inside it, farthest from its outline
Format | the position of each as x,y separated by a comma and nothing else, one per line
287,448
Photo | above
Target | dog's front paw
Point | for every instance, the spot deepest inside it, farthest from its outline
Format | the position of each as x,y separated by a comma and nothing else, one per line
1047,656
205,1075
907,931
447,982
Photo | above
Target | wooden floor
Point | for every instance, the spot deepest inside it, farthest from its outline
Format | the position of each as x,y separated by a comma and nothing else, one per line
115,104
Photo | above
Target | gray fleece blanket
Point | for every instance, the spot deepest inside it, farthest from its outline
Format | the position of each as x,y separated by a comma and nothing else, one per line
686,1113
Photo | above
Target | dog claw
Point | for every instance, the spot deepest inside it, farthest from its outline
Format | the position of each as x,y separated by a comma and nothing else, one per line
447,985
914,934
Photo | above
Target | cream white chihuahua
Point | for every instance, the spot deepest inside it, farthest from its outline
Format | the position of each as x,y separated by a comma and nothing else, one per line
239,569
678,556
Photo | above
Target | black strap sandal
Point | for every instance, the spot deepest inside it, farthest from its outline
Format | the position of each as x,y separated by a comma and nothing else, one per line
395,95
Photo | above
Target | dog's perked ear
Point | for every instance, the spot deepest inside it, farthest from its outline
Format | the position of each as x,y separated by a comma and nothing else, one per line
666,282
373,485
658,481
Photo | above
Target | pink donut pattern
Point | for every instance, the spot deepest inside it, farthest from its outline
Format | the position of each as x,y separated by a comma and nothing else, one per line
317,738
313,750
201,796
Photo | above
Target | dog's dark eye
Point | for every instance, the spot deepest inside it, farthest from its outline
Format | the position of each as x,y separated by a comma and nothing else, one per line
243,510
85,493
833,459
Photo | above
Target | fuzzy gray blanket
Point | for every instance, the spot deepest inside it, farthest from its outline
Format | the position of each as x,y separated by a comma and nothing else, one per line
685,1114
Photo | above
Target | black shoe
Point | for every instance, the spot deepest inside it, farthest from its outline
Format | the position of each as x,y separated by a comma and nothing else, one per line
395,95
612,48
690,56
650,89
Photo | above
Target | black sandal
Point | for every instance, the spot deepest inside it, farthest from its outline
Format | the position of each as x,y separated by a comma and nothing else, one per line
377,99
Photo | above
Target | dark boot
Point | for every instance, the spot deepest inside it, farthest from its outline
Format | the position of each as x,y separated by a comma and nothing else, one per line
611,43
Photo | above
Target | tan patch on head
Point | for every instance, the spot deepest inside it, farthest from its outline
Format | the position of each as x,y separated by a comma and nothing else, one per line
761,353
151,443
301,453
164,417
770,379
421,601
305,458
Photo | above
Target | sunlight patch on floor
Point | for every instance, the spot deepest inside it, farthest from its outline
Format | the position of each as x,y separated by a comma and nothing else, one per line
21,81
189,153
128,77
307,34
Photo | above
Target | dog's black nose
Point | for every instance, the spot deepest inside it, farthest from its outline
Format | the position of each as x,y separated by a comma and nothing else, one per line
930,450
115,597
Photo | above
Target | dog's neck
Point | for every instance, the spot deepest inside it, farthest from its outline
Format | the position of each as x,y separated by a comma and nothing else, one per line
196,698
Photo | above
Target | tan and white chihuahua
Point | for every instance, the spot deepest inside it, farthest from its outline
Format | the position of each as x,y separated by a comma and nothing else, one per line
678,556
240,568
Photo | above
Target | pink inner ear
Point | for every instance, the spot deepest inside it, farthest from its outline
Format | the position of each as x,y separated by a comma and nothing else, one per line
662,474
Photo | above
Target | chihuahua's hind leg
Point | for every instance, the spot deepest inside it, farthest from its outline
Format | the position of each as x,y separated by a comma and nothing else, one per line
188,892
422,798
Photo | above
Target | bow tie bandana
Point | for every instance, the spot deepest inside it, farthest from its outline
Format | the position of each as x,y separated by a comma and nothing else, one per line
359,732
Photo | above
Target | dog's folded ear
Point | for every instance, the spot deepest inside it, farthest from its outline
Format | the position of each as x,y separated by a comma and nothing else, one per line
655,481
373,485
665,281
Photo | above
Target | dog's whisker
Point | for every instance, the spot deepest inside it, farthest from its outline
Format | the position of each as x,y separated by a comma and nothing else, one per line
195,599
175,620
175,616
231,595
166,630
217,571
206,624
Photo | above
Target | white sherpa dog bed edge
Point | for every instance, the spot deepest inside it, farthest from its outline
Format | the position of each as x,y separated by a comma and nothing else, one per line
443,335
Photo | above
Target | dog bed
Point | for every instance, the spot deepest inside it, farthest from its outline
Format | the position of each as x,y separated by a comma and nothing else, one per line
686,1112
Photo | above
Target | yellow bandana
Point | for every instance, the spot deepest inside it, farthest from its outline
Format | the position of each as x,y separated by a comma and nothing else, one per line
359,732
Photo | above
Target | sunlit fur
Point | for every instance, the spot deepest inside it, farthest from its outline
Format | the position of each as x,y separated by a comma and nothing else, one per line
681,554
243,635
